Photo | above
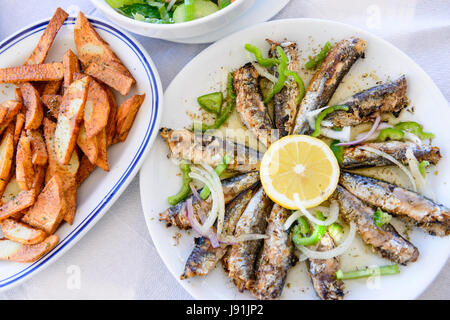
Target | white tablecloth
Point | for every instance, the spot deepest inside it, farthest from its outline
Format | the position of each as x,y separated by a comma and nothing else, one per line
117,259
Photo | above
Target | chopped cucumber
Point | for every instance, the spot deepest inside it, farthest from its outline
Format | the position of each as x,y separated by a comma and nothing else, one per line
120,3
202,9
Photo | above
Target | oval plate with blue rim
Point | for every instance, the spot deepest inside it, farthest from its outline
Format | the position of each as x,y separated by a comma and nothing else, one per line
101,189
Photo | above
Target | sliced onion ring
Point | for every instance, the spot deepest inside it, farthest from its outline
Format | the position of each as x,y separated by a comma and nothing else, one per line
330,219
264,73
365,137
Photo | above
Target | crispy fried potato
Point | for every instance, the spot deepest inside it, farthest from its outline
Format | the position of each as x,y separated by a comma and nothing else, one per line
89,146
18,93
45,42
38,181
69,119
111,125
51,87
22,201
33,105
11,191
24,165
102,160
53,103
6,156
3,113
37,72
14,108
110,76
71,66
20,122
49,209
126,114
17,252
20,232
86,168
38,148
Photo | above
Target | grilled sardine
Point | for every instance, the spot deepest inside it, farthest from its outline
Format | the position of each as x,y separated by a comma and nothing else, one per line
366,105
176,215
204,257
425,213
356,157
250,105
241,260
327,78
384,240
198,148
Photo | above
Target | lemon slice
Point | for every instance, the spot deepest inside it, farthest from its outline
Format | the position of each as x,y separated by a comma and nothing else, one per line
301,165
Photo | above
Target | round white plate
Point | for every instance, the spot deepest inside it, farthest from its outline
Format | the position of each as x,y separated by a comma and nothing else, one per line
159,176
261,11
101,189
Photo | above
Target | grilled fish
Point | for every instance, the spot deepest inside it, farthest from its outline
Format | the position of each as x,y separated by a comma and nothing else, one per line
241,259
425,213
285,102
176,215
366,105
327,78
355,157
250,105
276,258
385,240
198,148
204,257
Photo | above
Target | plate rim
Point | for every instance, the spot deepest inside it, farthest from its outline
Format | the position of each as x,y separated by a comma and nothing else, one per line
361,31
133,167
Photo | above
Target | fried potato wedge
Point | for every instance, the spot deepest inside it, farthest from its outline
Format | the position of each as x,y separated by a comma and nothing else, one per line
14,108
53,103
38,148
86,168
18,94
20,232
6,156
126,114
102,160
18,126
37,72
111,125
49,209
38,181
22,201
24,164
89,146
71,66
51,87
110,76
45,42
33,105
18,252
11,191
69,119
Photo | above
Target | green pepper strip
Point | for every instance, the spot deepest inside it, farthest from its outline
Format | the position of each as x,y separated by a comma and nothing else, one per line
368,272
303,226
185,189
281,70
322,116
337,150
390,133
423,166
301,84
265,62
381,218
211,102
314,61
336,231
189,9
204,194
414,128
314,238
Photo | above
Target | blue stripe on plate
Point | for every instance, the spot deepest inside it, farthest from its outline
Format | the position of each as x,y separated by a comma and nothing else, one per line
10,42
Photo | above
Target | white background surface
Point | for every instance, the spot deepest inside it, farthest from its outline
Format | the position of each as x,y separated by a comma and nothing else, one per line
117,259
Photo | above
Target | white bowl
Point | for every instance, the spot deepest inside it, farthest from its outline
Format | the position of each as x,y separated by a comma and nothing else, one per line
175,31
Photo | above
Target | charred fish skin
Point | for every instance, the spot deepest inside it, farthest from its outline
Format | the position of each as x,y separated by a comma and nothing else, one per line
385,240
366,105
285,102
276,259
323,272
356,157
204,257
242,257
176,215
327,78
423,212
203,148
250,105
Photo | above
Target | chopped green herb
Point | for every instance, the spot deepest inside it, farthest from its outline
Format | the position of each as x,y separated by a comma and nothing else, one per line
381,218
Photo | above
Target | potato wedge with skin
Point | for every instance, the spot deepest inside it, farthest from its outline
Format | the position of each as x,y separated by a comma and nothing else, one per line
3,113
86,168
33,105
17,252
6,157
24,165
22,201
69,119
45,42
37,72
14,108
89,146
20,122
126,114
22,233
51,87
53,103
11,191
111,125
18,94
110,76
71,66
49,209
102,160
38,148
38,181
